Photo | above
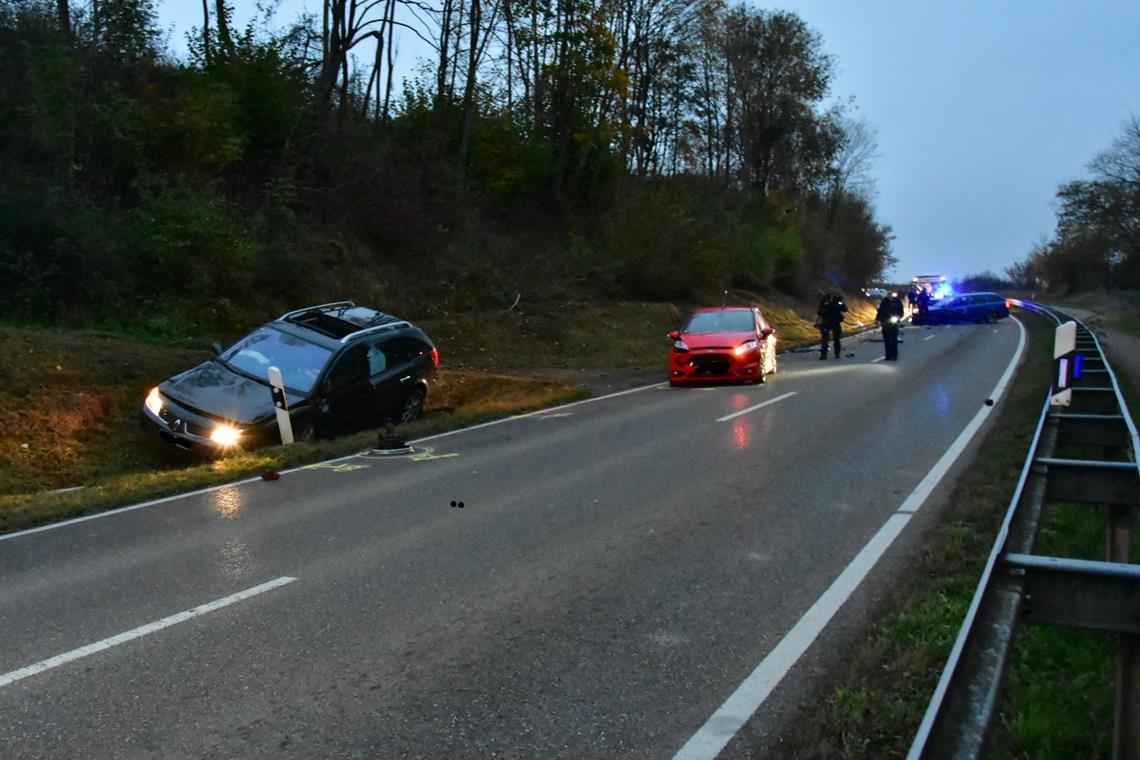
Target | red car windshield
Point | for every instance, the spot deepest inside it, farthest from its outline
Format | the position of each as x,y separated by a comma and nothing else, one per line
734,320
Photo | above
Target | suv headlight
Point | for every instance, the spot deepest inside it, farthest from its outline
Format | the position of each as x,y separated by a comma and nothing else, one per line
225,435
154,401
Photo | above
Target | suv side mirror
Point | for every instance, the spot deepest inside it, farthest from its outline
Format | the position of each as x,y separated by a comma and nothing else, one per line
217,348
673,335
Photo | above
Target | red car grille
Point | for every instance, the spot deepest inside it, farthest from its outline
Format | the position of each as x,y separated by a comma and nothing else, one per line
711,364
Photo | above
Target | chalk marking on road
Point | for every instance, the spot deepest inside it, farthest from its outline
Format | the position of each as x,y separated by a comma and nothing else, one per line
7,679
336,467
428,455
731,716
878,359
728,417
928,337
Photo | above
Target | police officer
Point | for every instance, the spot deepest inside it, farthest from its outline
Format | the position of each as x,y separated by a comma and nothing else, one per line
923,306
830,320
889,317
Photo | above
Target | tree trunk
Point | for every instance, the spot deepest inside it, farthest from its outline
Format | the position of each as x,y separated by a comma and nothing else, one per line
390,15
475,19
65,19
206,32
224,38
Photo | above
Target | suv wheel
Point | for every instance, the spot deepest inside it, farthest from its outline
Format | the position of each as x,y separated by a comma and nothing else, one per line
413,406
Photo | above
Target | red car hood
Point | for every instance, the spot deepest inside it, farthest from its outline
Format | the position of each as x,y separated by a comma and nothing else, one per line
717,340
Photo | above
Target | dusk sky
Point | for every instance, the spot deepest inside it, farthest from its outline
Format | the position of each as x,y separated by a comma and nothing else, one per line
982,109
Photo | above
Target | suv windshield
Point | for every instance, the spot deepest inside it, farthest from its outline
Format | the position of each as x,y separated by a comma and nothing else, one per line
299,360
736,320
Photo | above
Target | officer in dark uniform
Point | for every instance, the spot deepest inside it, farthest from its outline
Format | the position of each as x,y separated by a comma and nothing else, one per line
889,317
832,307
923,306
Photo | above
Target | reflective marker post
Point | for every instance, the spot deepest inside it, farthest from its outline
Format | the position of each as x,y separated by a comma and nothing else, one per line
281,405
1067,364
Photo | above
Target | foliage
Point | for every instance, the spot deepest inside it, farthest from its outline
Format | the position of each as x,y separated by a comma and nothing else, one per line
1097,239
135,184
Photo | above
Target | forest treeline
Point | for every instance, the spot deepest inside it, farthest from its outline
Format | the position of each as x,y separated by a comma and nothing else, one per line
551,148
1096,243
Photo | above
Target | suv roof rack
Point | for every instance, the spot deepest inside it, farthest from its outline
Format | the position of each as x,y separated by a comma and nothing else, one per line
307,309
378,328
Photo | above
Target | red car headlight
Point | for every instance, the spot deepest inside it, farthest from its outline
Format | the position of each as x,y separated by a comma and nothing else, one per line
744,348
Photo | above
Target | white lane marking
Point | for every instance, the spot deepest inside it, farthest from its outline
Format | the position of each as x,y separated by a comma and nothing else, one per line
133,507
728,417
345,458
731,716
718,730
99,646
928,337
878,359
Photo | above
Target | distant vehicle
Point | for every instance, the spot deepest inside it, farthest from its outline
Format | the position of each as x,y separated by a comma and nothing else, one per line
875,292
969,307
723,344
935,284
345,367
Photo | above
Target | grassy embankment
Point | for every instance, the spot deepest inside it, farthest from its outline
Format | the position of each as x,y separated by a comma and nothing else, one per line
1059,692
1118,308
69,402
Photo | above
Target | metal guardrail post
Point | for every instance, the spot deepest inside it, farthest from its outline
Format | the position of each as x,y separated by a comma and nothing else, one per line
1126,736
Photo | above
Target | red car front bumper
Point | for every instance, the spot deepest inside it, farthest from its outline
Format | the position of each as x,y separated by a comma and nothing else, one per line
713,365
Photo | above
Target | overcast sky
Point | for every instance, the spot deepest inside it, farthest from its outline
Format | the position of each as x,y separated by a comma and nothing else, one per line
982,109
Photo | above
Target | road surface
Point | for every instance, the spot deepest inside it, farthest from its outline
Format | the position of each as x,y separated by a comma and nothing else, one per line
618,568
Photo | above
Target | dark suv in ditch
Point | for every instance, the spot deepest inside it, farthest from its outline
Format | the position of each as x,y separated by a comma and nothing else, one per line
345,367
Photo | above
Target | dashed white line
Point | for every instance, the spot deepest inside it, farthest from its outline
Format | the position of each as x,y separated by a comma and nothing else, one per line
99,646
728,417
878,359
928,337
731,716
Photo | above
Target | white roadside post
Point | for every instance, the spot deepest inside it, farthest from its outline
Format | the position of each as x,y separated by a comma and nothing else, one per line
281,405
1067,364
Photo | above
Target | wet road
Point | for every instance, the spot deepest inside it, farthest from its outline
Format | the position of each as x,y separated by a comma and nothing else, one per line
618,567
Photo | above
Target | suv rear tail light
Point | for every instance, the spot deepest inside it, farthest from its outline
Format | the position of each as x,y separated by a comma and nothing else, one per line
435,356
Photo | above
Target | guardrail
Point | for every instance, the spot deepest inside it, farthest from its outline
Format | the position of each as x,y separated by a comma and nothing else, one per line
1018,586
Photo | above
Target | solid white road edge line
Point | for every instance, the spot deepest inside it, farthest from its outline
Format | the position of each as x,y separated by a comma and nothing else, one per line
731,716
546,410
354,455
728,417
99,646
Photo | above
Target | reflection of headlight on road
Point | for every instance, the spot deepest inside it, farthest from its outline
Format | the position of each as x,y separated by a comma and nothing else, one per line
154,401
225,435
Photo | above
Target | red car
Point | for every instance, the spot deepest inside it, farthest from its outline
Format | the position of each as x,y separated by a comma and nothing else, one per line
726,343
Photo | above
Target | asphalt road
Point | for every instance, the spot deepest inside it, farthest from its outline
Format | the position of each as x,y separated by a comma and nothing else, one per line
618,567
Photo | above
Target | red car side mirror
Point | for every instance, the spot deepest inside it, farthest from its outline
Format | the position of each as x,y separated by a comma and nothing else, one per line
768,331
673,335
